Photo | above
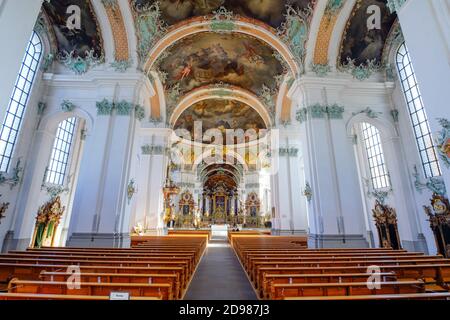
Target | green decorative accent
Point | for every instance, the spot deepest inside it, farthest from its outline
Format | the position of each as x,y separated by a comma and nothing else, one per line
47,62
67,106
123,108
317,111
443,142
307,192
55,190
122,65
78,64
222,21
363,71
333,7
155,120
149,25
335,111
139,112
379,194
395,5
268,95
15,178
104,108
131,190
301,115
285,123
152,150
434,184
394,115
321,70
41,108
294,32
288,151
369,112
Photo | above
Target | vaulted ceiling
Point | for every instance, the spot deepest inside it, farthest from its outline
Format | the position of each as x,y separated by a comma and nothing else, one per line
253,45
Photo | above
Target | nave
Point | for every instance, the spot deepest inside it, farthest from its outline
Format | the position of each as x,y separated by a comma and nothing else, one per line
201,267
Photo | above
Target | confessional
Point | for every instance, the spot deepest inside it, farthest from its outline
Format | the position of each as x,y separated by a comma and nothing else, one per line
439,218
386,222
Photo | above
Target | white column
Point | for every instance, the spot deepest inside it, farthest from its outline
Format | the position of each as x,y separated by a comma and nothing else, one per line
17,20
426,28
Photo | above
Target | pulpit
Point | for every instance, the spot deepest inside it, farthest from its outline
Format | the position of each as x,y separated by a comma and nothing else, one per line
439,217
387,226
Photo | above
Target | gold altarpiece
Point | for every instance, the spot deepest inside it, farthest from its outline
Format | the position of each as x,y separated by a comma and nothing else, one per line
387,226
439,217
47,221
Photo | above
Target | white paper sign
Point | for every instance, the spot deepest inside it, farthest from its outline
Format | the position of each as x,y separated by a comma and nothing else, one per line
119,296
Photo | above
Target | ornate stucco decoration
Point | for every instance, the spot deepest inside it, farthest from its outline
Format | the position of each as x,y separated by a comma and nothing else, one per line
122,108
379,194
131,190
47,62
307,192
122,65
393,41
78,64
318,111
150,27
394,115
434,184
288,151
333,7
15,177
41,107
395,5
3,207
67,106
321,70
222,21
361,72
152,150
443,141
369,112
294,32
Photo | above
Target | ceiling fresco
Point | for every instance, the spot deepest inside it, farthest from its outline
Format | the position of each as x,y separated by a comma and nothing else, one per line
211,58
220,114
360,43
270,12
79,41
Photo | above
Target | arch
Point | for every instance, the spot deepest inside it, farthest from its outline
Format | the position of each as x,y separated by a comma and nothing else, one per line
221,92
105,30
231,153
194,26
387,130
51,121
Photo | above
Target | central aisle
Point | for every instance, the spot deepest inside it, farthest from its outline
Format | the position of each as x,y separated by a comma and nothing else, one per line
220,275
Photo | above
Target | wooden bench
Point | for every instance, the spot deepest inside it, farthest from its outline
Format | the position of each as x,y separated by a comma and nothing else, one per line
280,291
31,296
409,296
158,290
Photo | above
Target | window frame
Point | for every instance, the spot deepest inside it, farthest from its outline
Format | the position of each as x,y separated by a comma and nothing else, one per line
417,113
19,99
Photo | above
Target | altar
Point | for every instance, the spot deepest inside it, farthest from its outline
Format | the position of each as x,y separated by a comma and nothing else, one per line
219,230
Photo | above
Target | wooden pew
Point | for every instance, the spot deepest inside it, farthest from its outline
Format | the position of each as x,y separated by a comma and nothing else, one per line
408,296
158,290
31,296
172,279
280,291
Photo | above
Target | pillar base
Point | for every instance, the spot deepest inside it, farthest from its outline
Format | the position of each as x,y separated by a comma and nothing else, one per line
419,245
318,241
99,240
11,243
278,232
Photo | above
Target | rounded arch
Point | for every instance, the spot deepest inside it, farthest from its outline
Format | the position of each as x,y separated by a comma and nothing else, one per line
233,154
246,26
105,30
387,130
221,92
51,121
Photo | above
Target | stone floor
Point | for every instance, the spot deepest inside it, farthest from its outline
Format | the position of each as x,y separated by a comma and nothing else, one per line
219,275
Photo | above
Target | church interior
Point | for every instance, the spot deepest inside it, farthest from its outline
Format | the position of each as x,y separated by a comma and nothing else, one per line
225,149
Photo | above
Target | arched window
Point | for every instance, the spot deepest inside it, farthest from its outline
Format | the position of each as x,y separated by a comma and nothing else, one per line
417,112
59,160
18,101
375,156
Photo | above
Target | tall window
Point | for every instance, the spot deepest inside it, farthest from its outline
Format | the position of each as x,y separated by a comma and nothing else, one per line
375,155
18,101
57,168
417,112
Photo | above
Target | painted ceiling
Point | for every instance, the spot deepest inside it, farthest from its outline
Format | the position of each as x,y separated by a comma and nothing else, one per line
270,12
86,39
360,43
220,114
211,58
